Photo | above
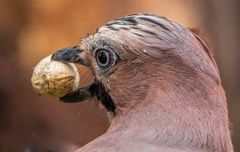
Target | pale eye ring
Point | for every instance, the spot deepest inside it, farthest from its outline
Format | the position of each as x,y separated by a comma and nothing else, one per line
105,59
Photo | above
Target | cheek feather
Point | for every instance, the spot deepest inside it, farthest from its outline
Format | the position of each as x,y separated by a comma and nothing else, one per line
98,89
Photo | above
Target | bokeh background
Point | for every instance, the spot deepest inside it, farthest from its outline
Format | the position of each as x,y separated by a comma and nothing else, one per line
33,29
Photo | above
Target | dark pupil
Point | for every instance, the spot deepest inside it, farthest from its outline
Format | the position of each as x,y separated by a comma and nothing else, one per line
103,58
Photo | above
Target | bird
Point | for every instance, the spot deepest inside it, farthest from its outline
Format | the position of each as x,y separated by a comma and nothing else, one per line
159,84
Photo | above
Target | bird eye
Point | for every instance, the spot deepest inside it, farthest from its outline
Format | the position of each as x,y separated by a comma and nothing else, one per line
105,58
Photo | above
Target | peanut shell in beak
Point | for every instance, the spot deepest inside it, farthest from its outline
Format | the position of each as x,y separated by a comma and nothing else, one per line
57,79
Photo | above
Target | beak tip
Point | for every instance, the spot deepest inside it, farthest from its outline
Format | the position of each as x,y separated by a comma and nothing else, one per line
55,56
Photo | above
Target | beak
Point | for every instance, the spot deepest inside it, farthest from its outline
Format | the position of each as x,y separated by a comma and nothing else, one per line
78,56
71,54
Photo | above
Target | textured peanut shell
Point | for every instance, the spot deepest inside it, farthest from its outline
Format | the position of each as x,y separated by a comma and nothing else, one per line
54,78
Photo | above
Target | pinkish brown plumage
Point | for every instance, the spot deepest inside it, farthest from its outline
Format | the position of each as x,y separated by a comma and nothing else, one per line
159,82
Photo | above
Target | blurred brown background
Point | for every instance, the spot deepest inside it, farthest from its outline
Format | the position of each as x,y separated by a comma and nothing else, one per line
32,29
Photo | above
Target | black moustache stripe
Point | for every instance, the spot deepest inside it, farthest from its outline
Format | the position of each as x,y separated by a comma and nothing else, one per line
97,89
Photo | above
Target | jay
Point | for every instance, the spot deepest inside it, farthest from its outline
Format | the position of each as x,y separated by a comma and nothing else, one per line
158,83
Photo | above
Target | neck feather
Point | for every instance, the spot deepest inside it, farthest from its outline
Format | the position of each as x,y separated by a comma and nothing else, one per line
177,116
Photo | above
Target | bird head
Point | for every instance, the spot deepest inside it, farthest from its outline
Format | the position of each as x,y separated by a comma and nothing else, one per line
137,57
157,78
